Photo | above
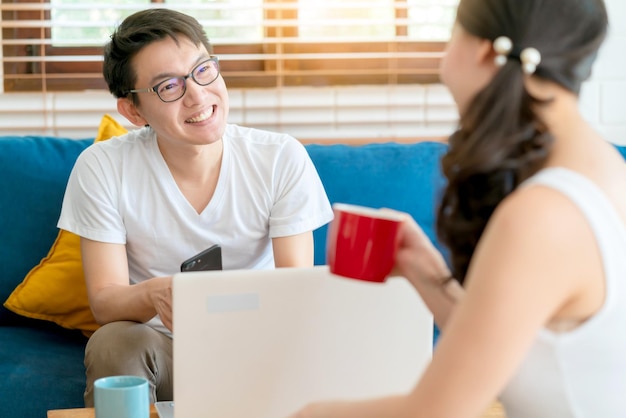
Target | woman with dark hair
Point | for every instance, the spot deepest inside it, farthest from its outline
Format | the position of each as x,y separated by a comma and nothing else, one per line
534,216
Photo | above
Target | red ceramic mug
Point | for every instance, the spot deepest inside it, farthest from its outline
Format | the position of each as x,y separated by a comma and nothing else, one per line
362,242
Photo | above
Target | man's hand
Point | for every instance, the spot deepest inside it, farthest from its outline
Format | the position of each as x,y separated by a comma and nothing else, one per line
161,298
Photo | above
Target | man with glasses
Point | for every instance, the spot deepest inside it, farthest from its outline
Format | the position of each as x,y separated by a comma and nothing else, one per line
146,201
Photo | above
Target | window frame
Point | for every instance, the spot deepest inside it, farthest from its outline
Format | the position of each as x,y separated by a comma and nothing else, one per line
56,75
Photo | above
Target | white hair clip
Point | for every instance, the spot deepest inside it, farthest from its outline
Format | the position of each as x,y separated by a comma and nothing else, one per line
503,46
530,59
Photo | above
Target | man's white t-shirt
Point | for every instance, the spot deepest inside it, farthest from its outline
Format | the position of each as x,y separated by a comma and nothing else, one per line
121,191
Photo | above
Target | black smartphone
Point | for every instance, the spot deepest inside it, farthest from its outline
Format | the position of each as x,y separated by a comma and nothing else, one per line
209,259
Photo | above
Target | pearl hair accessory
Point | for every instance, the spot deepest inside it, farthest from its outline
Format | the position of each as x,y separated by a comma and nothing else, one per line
503,46
530,58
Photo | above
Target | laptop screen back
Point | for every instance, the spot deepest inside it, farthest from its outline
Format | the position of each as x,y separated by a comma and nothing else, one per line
263,343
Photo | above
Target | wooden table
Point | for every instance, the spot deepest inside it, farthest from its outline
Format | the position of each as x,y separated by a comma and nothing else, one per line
494,411
86,413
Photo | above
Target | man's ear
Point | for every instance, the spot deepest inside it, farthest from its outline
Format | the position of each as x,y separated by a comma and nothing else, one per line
127,108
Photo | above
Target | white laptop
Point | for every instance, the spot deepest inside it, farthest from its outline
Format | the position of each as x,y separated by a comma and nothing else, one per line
263,343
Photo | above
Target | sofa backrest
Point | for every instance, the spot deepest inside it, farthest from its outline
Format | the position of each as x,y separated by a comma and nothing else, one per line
34,172
404,177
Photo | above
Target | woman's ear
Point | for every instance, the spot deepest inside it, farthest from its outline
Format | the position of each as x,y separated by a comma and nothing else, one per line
127,108
485,54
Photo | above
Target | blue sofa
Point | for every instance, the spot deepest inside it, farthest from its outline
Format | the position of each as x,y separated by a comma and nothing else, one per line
41,364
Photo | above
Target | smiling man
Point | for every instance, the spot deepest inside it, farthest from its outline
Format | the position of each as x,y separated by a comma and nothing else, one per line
186,179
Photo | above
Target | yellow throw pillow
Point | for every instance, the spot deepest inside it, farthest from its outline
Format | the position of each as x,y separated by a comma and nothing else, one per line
55,289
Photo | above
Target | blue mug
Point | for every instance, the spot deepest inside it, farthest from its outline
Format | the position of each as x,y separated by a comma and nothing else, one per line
122,397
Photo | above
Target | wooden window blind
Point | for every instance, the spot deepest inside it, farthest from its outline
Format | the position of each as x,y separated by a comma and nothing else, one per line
56,45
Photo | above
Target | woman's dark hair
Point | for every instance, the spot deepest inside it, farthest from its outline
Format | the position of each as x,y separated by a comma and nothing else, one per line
501,141
137,31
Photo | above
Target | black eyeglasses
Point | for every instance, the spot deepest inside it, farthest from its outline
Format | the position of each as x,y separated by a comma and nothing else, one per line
174,88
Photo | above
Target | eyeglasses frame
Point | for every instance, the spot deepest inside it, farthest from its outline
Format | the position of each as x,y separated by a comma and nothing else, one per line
154,89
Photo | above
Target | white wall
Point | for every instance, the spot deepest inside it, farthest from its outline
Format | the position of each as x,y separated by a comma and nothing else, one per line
603,99
307,112
334,112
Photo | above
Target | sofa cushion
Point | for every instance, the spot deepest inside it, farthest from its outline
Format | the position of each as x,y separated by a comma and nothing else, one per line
41,368
55,289
405,177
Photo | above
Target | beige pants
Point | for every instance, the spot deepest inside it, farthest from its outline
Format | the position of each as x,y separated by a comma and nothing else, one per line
130,348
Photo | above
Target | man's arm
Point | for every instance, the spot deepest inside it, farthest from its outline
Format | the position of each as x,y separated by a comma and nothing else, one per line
111,296
294,251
